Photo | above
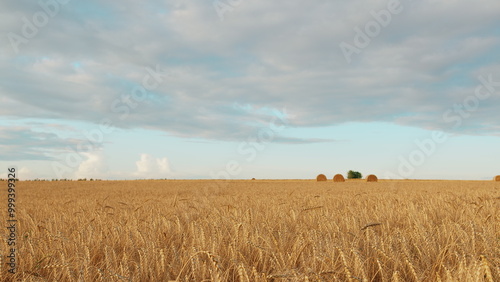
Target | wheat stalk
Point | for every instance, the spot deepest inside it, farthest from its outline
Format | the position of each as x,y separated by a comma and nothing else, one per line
370,225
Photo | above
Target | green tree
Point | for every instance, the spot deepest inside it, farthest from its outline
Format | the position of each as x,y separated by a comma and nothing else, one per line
354,174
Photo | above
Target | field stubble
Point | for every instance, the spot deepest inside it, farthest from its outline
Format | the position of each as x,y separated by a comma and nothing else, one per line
257,231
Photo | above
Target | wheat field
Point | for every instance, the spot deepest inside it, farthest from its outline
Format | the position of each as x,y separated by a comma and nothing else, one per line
295,230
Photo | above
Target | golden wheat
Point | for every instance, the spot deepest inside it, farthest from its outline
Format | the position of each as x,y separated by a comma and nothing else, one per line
256,231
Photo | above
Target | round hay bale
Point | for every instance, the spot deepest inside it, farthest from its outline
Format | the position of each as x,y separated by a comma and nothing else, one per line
253,178
321,177
371,178
338,178
497,178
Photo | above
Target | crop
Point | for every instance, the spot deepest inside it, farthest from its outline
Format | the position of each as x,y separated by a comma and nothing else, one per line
274,230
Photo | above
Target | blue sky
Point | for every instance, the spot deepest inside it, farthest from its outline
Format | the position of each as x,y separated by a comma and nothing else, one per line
240,89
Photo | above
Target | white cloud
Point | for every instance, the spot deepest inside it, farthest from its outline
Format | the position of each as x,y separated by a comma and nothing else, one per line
93,167
26,173
150,167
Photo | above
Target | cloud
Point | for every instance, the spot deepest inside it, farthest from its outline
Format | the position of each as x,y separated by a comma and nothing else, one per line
150,167
22,173
18,143
91,54
94,166
26,173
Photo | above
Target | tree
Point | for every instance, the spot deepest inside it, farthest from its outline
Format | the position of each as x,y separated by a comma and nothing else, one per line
354,175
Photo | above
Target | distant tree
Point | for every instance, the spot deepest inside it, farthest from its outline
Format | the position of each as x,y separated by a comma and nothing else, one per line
354,175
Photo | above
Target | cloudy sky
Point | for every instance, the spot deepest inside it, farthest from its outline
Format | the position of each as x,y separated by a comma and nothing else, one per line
240,89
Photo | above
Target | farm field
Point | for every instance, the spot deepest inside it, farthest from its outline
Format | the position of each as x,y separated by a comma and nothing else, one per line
274,230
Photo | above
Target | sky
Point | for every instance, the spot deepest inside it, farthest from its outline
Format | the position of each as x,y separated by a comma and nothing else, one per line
238,89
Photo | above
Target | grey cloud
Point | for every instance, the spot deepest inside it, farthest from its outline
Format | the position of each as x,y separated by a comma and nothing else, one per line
263,55
22,143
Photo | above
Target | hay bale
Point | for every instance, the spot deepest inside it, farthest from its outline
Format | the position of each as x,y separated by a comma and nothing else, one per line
253,178
321,177
497,178
371,178
338,178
